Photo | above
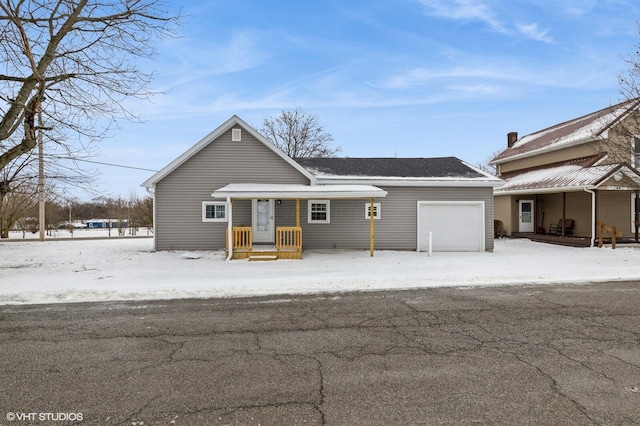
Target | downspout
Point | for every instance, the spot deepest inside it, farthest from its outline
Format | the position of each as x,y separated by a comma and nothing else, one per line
593,215
229,230
636,216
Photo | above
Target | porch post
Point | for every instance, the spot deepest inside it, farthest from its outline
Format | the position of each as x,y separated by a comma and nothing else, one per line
564,210
371,228
298,212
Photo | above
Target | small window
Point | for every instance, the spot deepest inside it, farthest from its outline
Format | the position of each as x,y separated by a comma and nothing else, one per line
214,211
635,160
236,135
367,211
319,211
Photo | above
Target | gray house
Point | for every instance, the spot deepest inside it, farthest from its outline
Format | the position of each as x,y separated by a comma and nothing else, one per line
236,190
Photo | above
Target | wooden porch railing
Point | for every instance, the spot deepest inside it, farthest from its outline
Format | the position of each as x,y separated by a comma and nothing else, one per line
611,229
242,238
289,238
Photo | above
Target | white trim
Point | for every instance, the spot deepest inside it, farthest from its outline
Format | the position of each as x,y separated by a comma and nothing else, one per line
236,135
205,204
268,236
410,182
327,203
376,211
483,219
292,191
531,219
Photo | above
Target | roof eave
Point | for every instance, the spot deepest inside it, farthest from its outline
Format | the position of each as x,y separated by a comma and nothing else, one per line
545,150
551,190
411,182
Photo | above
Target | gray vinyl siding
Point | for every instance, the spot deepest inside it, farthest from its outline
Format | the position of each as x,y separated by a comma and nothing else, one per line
397,227
179,196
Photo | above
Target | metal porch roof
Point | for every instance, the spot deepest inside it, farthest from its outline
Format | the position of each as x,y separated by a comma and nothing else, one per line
565,178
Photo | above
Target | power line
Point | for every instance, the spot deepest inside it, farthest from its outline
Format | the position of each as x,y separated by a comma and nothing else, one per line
105,164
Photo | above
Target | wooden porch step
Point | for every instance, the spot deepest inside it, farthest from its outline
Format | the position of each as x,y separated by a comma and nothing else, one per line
263,257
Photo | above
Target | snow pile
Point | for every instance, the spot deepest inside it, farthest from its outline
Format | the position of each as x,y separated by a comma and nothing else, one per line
129,269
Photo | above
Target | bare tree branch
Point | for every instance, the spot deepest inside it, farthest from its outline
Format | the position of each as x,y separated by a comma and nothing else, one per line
299,134
76,61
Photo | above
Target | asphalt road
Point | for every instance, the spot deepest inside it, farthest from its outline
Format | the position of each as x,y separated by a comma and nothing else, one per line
554,354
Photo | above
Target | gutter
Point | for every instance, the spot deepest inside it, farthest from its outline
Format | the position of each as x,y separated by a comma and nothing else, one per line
229,230
540,190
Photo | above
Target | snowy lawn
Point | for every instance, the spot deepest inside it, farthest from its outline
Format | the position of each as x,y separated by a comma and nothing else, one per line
128,269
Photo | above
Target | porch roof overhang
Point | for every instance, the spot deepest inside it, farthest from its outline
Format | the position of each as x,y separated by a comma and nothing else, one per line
569,178
296,191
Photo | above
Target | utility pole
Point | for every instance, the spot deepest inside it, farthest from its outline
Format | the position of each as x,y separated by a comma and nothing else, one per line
41,218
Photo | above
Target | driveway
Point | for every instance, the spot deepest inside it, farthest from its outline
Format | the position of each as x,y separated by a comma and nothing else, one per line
553,354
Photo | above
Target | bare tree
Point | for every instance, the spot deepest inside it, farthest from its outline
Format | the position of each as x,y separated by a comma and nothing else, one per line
18,206
623,145
299,134
76,62
487,165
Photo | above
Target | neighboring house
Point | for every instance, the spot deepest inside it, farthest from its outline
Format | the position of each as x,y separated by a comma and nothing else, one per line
106,223
234,185
582,171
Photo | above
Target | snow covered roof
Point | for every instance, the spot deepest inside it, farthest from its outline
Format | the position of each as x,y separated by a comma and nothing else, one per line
290,191
564,178
573,132
397,171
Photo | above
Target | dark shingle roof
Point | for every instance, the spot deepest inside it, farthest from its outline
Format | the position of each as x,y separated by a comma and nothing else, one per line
445,167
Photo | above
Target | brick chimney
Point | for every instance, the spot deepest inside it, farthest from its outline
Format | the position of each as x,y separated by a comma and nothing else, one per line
512,137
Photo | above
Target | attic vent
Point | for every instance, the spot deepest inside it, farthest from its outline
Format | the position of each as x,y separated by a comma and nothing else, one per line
236,135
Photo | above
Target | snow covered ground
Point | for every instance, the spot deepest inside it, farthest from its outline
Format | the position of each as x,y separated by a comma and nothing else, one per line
127,269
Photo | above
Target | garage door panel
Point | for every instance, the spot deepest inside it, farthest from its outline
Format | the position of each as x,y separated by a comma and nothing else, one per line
455,226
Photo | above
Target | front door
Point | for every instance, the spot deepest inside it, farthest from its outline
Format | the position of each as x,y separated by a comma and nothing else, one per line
263,221
525,215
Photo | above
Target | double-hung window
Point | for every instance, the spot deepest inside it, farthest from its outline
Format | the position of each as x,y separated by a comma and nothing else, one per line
214,211
319,211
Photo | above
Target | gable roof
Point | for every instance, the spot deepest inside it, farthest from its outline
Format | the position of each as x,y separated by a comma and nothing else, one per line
573,132
445,171
398,170
224,127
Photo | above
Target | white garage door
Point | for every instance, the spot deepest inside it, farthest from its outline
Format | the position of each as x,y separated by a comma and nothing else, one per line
455,225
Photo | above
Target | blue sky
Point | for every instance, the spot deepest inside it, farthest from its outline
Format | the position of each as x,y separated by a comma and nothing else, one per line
405,78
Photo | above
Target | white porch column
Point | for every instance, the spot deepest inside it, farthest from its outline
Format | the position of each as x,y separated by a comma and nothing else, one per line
229,229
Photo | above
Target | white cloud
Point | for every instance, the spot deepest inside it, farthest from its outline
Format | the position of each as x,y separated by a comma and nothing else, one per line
421,76
580,7
467,10
533,32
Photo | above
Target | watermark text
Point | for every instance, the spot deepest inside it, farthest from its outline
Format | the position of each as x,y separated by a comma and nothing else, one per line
43,417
